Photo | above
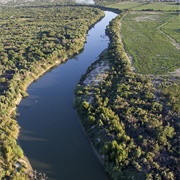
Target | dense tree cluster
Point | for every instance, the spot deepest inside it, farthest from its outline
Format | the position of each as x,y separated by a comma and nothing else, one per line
128,119
33,39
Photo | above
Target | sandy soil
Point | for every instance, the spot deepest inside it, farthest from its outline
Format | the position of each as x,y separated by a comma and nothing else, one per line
97,74
146,18
175,73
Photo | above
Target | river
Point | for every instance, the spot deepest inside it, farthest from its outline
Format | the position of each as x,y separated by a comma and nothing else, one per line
51,135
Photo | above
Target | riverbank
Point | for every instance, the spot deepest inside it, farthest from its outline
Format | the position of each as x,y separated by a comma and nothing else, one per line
57,117
124,118
16,81
24,161
30,79
95,150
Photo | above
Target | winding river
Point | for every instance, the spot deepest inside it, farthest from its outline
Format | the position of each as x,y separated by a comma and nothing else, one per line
51,134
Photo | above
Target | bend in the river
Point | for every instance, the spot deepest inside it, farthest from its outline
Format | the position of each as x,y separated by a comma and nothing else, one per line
51,134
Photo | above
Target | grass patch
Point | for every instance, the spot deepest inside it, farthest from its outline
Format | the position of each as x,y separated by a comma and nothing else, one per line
151,49
139,6
172,28
159,6
125,5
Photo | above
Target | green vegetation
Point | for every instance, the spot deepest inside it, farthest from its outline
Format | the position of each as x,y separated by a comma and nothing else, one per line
145,6
170,94
159,6
171,27
127,117
132,119
107,2
33,39
153,51
150,33
126,5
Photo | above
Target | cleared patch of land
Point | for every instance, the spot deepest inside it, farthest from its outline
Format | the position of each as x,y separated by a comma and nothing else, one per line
151,41
97,74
